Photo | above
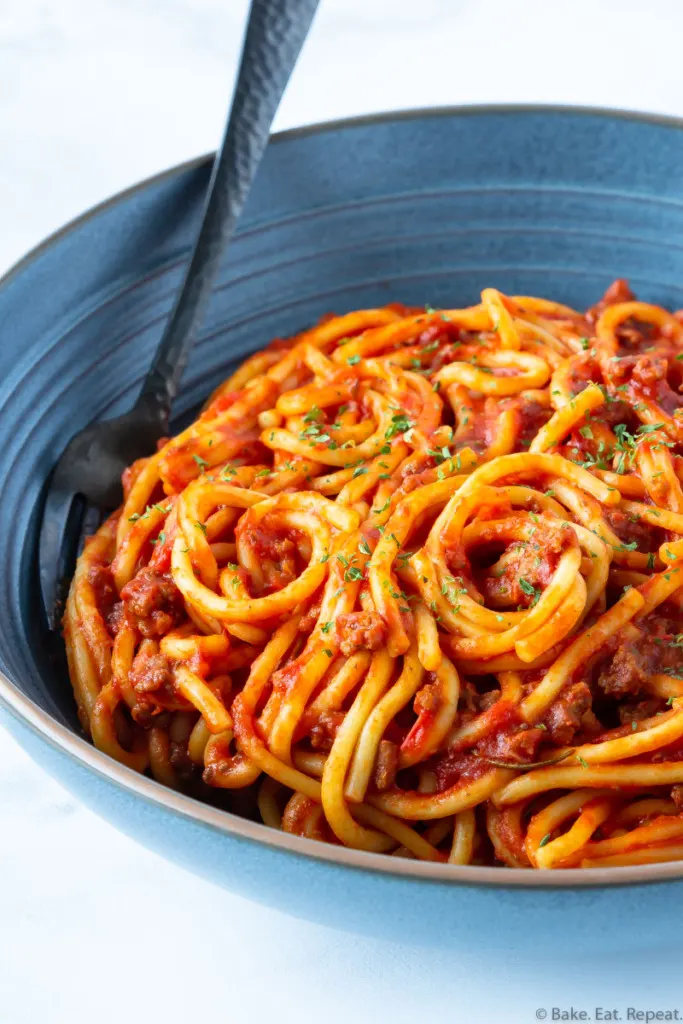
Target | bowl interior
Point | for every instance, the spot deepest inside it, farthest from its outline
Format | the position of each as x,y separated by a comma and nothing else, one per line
424,208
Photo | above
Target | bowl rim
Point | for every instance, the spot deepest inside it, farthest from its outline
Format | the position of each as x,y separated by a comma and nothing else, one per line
80,750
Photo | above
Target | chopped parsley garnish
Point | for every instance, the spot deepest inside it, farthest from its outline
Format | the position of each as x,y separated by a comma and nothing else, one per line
385,506
353,573
314,432
530,590
399,424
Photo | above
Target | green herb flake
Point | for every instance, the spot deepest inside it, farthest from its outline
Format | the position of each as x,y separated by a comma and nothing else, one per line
529,589
399,424
352,574
627,547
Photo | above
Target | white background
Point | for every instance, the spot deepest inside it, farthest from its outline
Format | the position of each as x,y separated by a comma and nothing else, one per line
94,95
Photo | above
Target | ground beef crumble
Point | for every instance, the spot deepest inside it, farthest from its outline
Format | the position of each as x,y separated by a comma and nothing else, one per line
358,631
154,601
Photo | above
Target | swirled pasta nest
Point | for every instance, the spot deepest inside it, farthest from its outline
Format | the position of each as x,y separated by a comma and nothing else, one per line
411,583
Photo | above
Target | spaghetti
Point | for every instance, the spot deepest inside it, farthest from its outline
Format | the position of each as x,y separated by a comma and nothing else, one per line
412,583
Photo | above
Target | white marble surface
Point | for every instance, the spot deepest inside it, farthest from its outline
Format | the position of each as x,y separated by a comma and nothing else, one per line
95,94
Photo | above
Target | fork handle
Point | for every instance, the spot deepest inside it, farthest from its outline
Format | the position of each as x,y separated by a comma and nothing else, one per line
275,34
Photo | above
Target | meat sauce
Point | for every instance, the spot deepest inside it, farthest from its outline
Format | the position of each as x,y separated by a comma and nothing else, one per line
459,769
386,766
617,292
647,379
357,631
530,414
428,703
652,647
102,581
633,532
479,425
509,739
154,602
582,369
275,550
528,568
564,718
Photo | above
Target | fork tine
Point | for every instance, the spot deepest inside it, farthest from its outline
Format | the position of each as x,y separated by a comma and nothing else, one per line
93,517
60,535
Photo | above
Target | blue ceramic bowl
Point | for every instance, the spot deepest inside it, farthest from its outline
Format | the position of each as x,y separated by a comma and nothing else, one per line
425,207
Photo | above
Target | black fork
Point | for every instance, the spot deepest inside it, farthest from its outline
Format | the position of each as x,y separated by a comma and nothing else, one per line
86,480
